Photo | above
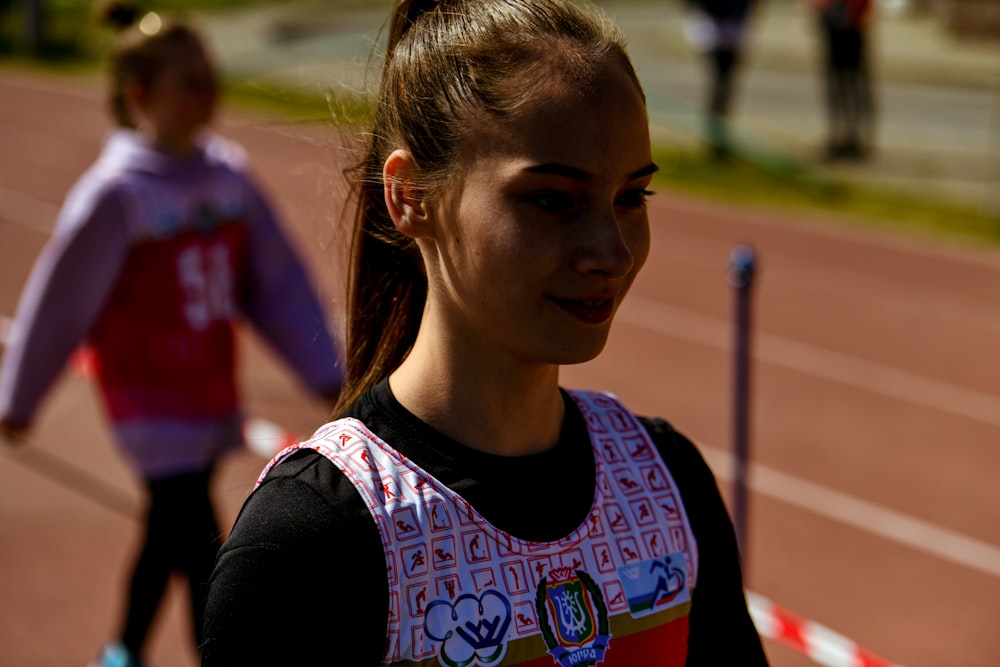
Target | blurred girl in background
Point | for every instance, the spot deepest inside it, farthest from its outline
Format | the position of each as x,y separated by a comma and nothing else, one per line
161,246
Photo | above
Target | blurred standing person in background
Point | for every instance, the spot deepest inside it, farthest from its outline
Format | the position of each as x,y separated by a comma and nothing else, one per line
159,248
843,27
717,28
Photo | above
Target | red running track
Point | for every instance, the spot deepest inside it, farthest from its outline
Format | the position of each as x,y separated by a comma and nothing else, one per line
875,510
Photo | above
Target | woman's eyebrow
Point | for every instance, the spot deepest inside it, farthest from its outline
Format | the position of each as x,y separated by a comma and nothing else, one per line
650,168
557,169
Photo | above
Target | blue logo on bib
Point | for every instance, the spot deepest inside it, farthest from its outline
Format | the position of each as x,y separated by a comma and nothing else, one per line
472,630
655,584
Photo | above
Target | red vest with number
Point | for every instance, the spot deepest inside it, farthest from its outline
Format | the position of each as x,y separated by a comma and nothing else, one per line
616,591
164,344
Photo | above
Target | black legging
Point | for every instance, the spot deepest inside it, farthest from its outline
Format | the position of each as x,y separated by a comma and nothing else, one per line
848,90
723,63
182,535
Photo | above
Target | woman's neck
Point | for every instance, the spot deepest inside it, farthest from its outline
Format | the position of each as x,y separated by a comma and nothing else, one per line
504,411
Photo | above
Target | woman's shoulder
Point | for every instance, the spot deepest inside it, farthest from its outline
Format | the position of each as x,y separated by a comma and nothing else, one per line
679,452
664,435
297,502
674,447
303,475
297,534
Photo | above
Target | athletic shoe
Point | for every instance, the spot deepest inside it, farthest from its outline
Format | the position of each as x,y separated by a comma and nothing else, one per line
115,655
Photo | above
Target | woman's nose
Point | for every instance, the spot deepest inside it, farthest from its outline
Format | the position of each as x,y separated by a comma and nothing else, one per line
604,246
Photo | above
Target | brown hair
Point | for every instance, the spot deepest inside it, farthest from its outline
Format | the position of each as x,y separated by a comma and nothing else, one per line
140,52
448,64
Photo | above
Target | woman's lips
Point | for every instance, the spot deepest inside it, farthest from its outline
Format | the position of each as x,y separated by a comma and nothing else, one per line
589,311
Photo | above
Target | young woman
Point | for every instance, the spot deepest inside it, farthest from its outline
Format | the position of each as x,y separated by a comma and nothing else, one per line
464,509
159,248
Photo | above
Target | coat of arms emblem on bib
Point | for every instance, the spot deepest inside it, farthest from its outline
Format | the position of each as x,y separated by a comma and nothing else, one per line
573,618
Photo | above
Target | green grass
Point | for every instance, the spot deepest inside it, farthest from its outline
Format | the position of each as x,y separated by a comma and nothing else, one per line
299,105
761,179
778,183
62,35
72,30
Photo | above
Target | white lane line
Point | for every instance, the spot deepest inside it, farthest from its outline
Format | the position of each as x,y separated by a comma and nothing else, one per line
63,87
27,211
861,514
879,291
942,304
816,361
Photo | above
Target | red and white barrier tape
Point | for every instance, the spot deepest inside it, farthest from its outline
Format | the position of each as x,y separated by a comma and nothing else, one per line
817,642
266,438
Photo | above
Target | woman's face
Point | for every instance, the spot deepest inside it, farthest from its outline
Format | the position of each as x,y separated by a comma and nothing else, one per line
544,227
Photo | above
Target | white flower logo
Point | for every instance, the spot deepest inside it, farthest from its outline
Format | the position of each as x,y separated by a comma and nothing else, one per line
471,630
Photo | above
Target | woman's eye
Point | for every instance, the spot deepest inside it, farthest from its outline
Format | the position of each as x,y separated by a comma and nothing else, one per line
553,201
634,198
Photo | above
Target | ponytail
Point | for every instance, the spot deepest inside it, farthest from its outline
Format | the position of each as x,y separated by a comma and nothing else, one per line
119,15
387,290
386,287
405,15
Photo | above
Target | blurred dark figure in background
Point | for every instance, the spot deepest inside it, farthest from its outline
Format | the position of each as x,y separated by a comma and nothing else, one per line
842,26
717,28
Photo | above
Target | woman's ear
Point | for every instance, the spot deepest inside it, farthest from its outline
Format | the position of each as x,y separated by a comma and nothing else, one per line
403,197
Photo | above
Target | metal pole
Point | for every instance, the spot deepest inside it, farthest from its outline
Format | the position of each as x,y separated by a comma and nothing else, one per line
741,270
